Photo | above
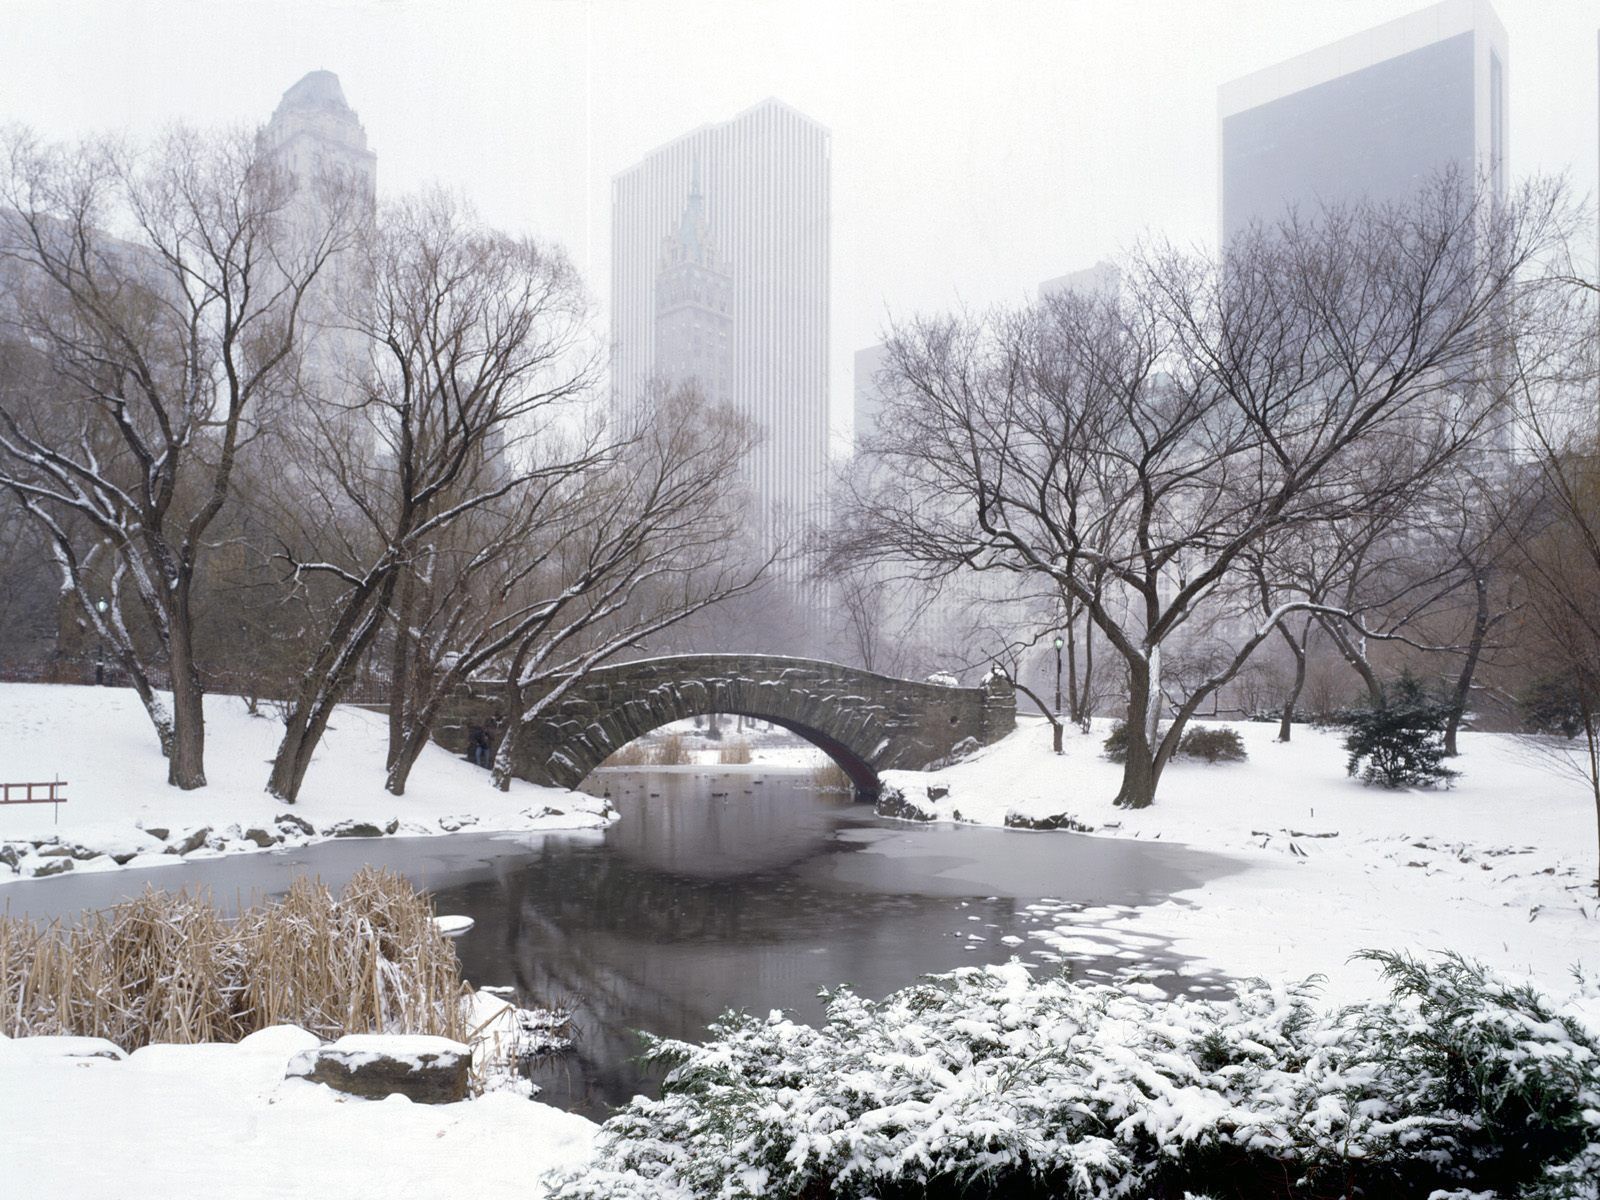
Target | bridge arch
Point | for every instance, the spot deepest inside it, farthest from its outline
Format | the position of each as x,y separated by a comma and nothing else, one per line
867,723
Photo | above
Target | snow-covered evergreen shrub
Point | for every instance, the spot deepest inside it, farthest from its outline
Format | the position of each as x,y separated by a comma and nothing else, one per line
1213,745
986,1083
1116,743
1399,743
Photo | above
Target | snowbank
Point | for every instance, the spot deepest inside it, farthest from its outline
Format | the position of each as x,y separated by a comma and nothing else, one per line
1499,867
221,1120
120,811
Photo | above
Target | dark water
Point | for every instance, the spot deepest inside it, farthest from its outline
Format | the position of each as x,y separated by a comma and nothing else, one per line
719,889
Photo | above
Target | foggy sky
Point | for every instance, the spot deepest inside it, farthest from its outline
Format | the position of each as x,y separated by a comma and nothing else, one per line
978,149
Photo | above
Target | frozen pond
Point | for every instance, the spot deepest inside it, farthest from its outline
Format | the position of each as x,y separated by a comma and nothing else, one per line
719,888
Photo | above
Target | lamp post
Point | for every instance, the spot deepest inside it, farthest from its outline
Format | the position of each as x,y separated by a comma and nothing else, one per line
100,649
1056,728
1059,644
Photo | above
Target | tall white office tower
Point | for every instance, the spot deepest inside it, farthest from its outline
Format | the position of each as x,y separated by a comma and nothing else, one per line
757,187
1372,116
317,138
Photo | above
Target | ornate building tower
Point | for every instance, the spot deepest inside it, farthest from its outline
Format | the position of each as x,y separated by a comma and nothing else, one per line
314,131
766,187
694,306
317,138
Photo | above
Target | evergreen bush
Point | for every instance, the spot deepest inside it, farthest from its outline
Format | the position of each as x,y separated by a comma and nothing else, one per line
1116,744
1400,742
988,1083
1212,744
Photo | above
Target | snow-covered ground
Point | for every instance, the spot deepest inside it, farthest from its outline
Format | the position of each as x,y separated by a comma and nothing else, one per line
100,742
221,1120
1499,867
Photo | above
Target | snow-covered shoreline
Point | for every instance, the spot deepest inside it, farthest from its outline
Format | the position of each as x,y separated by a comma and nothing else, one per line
222,1120
120,812
1499,867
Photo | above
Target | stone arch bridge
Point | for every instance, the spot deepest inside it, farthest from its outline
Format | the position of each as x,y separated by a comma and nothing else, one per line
866,723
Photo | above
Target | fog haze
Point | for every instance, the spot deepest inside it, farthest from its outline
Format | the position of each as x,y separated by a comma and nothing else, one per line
977,149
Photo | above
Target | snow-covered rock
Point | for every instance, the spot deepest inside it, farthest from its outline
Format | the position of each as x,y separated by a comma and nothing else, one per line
426,1070
64,1046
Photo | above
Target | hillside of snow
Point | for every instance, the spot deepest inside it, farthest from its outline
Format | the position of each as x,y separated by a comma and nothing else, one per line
100,742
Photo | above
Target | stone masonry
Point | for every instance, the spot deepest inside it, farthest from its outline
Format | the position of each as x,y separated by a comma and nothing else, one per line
866,723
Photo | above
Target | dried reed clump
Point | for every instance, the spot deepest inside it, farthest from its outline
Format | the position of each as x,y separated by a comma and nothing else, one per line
735,752
168,967
634,754
671,751
830,777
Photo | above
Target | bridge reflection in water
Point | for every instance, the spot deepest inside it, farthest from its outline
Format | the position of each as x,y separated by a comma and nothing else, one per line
722,889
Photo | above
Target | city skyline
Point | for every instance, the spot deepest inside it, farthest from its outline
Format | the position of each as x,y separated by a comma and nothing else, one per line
1018,141
763,178
1372,116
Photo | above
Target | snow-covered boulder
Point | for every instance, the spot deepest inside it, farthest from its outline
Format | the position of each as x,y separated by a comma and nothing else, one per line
65,1046
892,802
348,829
190,840
426,1070
292,826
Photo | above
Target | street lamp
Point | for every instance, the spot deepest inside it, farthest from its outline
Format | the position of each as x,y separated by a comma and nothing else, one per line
100,607
1058,674
1056,730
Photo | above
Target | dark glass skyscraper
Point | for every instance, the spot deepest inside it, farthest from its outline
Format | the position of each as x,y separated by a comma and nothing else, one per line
1374,115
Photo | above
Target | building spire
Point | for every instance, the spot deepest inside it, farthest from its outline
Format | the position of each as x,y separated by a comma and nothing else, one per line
692,242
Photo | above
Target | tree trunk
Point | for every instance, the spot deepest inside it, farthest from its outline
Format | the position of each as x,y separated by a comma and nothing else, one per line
300,737
1138,788
159,716
402,759
1085,701
1358,662
1073,712
400,662
1286,725
186,766
1463,688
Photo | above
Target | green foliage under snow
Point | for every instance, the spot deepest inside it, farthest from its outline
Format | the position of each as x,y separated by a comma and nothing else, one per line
985,1082
1214,744
1399,743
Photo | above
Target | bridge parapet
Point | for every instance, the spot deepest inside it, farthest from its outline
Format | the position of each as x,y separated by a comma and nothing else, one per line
865,722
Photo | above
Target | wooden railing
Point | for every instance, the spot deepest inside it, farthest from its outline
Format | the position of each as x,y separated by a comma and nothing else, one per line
52,794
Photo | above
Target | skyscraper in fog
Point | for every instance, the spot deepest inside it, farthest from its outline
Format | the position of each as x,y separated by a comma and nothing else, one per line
314,131
694,305
316,136
720,268
1374,115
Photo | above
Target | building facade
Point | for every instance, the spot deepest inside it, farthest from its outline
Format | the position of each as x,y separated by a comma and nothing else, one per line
694,307
744,207
315,134
868,395
1372,116
317,138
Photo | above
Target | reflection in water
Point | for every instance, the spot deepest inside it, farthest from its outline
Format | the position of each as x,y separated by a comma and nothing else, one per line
718,888
716,891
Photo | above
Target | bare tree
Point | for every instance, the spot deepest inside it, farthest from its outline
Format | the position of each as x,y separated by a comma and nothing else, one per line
649,549
1158,436
162,295
468,341
1557,381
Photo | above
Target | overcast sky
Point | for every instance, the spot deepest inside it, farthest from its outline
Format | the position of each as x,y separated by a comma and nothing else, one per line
977,148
